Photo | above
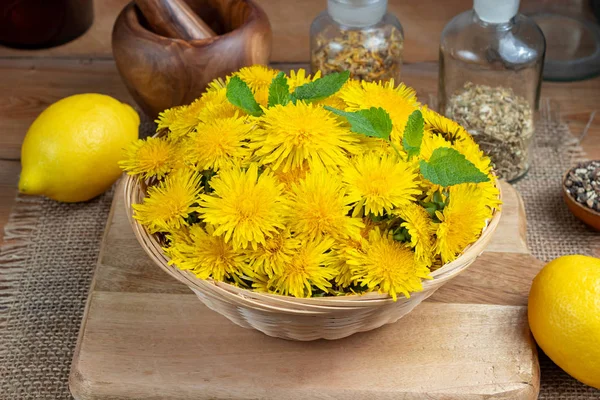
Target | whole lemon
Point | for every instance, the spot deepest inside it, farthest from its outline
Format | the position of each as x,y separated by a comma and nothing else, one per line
71,151
564,315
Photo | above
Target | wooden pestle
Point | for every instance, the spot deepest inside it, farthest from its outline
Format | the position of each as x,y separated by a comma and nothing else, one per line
174,19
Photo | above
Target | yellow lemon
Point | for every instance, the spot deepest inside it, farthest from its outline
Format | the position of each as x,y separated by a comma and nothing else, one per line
564,315
71,151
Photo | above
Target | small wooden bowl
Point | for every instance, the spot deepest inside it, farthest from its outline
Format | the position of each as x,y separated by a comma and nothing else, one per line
585,214
162,72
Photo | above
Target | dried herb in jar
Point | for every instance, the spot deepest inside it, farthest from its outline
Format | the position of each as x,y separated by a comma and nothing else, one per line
369,55
500,121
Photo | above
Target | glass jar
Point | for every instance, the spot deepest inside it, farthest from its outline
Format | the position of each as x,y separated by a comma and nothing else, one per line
359,36
491,62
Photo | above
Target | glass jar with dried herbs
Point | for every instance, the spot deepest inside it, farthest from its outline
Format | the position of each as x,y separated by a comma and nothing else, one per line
359,36
491,62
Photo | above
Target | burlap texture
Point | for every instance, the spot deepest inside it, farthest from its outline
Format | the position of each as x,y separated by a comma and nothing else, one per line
48,262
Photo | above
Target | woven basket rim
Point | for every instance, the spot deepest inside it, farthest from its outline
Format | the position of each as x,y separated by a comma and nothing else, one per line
132,186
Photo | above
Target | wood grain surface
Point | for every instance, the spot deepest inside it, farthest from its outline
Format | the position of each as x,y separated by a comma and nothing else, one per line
146,335
422,20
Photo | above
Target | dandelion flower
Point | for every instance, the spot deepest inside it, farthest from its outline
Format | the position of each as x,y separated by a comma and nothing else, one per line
343,251
169,203
269,258
380,182
388,266
309,266
462,220
258,78
299,78
399,102
218,143
260,283
456,136
214,104
430,142
246,208
319,206
208,256
294,175
421,229
167,117
153,157
295,133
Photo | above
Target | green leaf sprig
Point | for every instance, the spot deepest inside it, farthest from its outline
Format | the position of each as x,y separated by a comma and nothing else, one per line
374,122
279,90
448,167
321,88
240,95
413,134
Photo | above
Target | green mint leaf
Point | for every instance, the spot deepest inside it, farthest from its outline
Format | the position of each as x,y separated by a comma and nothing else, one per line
447,167
413,134
374,122
321,88
240,95
279,91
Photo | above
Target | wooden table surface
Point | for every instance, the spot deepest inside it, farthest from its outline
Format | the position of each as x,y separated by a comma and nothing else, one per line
31,80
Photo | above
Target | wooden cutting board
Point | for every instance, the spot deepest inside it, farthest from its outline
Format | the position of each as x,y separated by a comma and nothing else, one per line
146,336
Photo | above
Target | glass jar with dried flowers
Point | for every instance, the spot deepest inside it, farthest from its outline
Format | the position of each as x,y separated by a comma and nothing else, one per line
359,36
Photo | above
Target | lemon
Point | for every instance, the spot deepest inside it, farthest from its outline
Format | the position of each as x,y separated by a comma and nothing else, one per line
564,315
71,151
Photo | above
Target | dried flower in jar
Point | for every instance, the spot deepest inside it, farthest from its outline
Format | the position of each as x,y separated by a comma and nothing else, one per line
500,121
370,55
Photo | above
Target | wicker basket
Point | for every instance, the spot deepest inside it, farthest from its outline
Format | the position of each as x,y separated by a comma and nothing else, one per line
296,318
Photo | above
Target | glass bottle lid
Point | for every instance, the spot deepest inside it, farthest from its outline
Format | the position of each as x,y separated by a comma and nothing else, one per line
357,13
495,11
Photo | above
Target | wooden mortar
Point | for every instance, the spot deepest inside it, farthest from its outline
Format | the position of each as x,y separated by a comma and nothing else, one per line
162,72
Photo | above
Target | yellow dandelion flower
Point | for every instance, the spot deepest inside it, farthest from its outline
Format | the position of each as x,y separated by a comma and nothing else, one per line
430,142
468,148
309,266
441,125
299,78
378,183
208,256
167,117
295,133
388,266
169,203
319,206
294,175
268,259
462,220
260,283
399,102
214,104
153,157
218,143
443,131
258,78
344,250
185,120
421,229
246,208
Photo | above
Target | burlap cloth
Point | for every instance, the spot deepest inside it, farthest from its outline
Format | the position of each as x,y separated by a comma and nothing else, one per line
47,264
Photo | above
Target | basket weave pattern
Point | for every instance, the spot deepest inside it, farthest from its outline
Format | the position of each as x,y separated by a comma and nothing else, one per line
297,318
